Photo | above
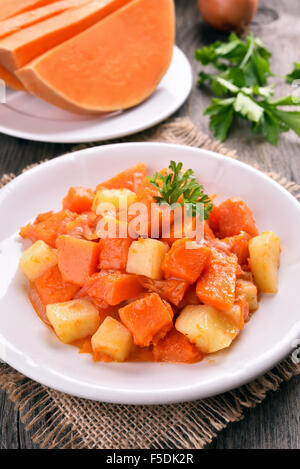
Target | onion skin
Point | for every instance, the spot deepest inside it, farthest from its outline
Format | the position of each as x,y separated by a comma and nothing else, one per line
228,15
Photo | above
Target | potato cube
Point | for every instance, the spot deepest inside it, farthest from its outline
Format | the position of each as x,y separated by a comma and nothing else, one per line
249,290
73,320
37,259
145,257
209,329
120,198
264,259
113,339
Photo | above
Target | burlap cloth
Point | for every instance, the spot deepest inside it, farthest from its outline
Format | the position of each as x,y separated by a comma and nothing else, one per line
62,421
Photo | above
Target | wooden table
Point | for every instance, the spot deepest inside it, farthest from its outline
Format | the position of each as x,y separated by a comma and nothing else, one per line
275,423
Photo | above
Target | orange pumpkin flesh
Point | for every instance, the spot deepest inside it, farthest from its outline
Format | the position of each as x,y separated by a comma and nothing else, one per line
20,48
28,18
115,64
10,80
9,8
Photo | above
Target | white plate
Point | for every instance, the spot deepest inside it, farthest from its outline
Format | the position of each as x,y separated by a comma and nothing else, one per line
30,118
31,348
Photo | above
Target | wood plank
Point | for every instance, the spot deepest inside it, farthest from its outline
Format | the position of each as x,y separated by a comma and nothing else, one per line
9,438
272,425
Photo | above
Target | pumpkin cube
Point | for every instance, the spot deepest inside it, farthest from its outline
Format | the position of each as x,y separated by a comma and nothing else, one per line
114,253
113,339
185,260
239,245
233,216
77,258
176,348
79,199
216,286
170,290
132,178
52,289
48,226
73,320
113,287
148,319
37,259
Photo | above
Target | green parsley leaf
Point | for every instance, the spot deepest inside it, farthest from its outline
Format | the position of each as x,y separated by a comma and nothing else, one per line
222,115
181,187
294,74
290,118
248,108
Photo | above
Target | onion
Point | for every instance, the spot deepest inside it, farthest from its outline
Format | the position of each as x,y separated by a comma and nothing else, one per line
228,15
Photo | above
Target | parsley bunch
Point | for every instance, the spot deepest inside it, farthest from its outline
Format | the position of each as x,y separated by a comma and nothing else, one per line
242,68
181,187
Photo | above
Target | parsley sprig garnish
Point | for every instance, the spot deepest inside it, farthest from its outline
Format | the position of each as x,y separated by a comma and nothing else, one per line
181,187
240,83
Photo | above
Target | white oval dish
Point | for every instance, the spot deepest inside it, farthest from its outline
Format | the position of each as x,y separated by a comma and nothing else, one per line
27,117
27,345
